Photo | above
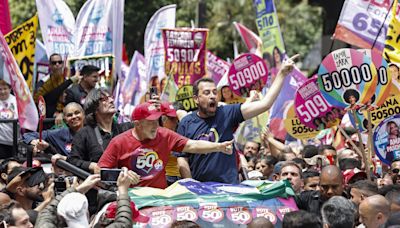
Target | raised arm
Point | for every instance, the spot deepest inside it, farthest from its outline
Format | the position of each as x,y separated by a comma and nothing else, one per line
250,110
204,147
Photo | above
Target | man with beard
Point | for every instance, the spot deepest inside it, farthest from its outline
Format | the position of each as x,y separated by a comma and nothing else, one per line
145,148
27,187
394,171
217,124
52,90
331,184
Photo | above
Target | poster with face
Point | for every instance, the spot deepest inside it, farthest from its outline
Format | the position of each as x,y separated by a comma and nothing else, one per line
312,108
347,78
387,139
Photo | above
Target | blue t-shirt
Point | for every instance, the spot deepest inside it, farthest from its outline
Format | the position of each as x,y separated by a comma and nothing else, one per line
218,167
60,138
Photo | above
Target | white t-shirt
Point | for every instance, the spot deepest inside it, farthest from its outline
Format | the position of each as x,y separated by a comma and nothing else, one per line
8,110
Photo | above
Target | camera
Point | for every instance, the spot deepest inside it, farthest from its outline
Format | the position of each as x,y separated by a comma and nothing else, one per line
60,185
153,92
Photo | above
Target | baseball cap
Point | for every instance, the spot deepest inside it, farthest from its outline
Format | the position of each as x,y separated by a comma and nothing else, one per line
352,175
168,109
30,176
136,215
146,111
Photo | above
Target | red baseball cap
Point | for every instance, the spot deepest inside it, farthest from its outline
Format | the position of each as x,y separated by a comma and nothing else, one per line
352,175
168,109
146,111
136,215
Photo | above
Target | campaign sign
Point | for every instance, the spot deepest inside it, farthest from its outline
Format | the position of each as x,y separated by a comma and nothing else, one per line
382,90
185,97
247,72
294,126
347,78
41,107
389,108
361,119
312,108
387,139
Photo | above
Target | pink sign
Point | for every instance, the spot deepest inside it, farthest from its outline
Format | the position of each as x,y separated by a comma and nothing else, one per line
247,72
185,54
313,110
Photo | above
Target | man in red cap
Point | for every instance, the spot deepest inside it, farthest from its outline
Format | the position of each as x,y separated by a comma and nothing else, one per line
145,148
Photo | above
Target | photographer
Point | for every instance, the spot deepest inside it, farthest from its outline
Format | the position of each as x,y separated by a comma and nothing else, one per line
48,216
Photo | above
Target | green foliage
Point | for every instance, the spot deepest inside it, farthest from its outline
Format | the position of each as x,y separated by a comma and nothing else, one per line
301,26
301,23
21,10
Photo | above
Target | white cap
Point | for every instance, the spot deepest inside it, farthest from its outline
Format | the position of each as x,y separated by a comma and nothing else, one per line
74,209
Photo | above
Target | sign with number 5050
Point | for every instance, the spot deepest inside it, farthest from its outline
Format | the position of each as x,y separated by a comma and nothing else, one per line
247,72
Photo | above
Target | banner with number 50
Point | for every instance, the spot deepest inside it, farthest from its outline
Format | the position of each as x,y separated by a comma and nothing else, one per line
185,54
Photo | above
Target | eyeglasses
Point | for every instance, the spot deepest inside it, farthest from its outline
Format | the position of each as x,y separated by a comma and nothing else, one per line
106,98
55,62
395,171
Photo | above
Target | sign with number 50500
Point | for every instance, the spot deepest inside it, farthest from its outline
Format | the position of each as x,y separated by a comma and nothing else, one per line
347,78
247,72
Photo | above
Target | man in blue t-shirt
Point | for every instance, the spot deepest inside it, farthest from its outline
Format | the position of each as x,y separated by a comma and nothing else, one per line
217,124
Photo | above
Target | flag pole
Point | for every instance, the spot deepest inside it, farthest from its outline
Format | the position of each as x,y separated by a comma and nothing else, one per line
383,23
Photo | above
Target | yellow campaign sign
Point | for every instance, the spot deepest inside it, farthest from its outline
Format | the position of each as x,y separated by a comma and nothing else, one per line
185,97
389,108
22,43
391,52
294,127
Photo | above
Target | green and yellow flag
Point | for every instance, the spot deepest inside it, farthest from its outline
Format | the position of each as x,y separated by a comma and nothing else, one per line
391,52
22,43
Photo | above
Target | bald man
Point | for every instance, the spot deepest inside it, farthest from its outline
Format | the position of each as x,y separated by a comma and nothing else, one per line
331,184
260,222
374,211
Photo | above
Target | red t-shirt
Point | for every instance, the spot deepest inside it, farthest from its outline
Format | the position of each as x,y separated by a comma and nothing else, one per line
147,158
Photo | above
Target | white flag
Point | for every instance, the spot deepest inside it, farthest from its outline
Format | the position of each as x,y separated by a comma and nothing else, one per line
153,42
57,24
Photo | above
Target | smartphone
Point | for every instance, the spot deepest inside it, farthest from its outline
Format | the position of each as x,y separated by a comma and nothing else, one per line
109,175
153,91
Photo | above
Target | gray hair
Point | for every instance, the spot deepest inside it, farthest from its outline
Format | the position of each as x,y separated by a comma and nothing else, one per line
338,212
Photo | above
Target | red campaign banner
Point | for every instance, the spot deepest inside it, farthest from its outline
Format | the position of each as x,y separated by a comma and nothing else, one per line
185,54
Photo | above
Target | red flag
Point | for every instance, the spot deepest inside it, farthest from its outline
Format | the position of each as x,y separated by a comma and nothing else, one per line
252,41
125,57
5,20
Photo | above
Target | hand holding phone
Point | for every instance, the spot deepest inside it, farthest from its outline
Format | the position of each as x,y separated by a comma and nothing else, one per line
109,175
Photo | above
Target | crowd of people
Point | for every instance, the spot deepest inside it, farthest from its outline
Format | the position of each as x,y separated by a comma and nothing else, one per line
163,144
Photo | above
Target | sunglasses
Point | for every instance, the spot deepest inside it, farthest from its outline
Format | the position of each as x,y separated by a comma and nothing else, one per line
395,171
55,62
